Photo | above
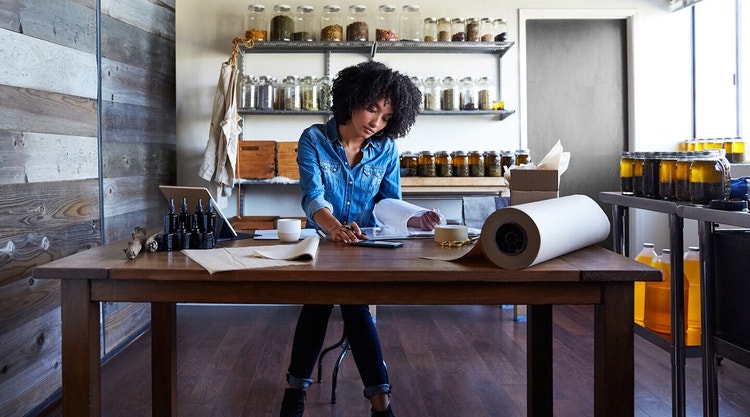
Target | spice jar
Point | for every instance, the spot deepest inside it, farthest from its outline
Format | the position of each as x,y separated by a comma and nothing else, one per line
304,24
309,89
638,159
709,178
409,164
445,29
476,164
443,164
485,93
386,24
506,160
458,26
492,164
265,94
324,93
410,23
651,174
667,174
256,23
431,93
417,81
522,157
501,30
356,24
460,164
426,167
430,29
472,30
682,175
487,30
331,24
450,97
468,94
626,173
282,24
292,96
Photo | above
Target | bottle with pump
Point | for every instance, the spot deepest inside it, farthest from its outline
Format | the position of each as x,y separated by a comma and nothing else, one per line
693,312
647,256
658,301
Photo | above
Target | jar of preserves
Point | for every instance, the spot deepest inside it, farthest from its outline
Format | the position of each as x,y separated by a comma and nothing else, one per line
443,164
265,95
309,93
458,27
450,98
501,30
709,178
331,24
445,29
430,29
507,160
476,164
282,23
651,174
682,175
485,93
487,30
256,23
356,24
626,173
426,167
324,93
292,93
522,157
386,24
460,164
417,81
304,24
492,164
410,23
431,93
409,164
667,175
638,158
472,30
468,98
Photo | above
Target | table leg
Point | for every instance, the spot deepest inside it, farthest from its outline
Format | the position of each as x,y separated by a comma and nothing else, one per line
81,359
613,352
163,359
539,361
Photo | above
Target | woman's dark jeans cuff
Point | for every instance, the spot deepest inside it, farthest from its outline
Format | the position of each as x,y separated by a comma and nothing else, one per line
298,382
377,389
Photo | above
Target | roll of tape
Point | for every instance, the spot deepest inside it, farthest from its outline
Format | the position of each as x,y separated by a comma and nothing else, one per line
448,232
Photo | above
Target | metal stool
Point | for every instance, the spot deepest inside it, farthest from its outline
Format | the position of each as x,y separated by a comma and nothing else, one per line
343,343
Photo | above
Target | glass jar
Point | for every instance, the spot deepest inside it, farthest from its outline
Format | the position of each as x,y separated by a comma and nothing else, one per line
443,164
667,174
426,167
492,164
432,93
256,23
248,89
468,94
278,100
501,30
458,27
485,93
638,159
487,30
430,29
472,30
410,23
626,173
282,23
682,175
331,24
265,94
356,24
417,81
522,157
735,150
450,98
476,164
309,93
304,24
386,24
409,164
292,96
708,178
651,174
445,29
324,93
460,164
507,160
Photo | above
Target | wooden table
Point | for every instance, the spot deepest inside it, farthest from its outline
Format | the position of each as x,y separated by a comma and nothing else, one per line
343,274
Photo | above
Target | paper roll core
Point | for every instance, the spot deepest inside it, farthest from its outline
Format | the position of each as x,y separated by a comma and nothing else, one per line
445,233
511,239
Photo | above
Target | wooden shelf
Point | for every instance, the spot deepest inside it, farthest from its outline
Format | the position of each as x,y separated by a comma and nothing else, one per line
452,185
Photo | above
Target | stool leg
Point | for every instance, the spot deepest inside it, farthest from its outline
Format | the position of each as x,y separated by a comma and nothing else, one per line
340,344
344,349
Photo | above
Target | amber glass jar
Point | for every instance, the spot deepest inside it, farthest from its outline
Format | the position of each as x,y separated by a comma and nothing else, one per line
522,157
476,164
709,178
492,164
682,175
409,164
626,173
667,175
443,164
638,158
426,167
506,160
460,164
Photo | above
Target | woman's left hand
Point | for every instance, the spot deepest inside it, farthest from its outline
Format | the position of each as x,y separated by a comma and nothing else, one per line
426,221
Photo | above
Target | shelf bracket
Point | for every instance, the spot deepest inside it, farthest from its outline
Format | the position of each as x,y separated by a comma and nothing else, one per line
373,50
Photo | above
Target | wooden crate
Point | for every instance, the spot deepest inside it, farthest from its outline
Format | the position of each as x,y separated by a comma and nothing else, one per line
286,160
256,159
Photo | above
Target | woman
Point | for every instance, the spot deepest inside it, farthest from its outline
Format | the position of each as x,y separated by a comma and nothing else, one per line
346,166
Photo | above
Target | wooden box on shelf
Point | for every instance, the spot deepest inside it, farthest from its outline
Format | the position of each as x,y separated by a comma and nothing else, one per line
256,159
286,160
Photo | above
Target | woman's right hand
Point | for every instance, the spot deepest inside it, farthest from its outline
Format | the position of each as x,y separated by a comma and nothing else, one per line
349,233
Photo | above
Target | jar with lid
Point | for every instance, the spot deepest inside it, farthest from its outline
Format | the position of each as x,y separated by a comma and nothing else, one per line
682,175
476,164
356,24
278,100
468,94
309,92
522,157
265,94
417,81
256,23
638,159
431,93
331,24
709,178
651,174
282,23
443,164
445,29
304,24
460,164
667,175
735,150
501,30
426,167
248,91
324,93
492,164
458,26
485,93
386,24
430,29
507,160
626,173
292,96
472,30
409,164
410,23
450,96
487,30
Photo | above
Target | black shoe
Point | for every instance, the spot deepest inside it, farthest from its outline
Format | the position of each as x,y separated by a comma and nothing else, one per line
386,413
293,404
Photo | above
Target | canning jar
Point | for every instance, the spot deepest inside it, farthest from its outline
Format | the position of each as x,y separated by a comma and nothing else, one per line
638,159
432,92
248,89
304,24
409,164
492,164
485,93
682,175
450,96
709,179
256,23
292,96
626,173
410,23
458,27
445,29
430,29
460,164
309,93
417,81
282,23
735,150
522,157
476,164
651,174
324,93
331,24
356,24
386,24
667,175
426,167
501,30
265,93
487,30
468,94
472,30
506,160
443,164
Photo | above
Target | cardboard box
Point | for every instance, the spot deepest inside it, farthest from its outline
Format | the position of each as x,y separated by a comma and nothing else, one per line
529,185
286,160
256,159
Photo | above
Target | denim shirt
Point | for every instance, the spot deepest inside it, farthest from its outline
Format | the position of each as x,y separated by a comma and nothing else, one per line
327,181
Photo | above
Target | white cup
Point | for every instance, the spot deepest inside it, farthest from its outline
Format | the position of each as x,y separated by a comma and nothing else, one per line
289,229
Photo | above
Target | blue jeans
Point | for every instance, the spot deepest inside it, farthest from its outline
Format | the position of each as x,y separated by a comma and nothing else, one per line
363,339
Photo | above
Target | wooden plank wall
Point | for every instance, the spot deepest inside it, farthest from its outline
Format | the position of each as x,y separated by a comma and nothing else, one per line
50,197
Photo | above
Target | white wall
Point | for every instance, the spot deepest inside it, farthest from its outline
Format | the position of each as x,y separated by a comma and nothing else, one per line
661,85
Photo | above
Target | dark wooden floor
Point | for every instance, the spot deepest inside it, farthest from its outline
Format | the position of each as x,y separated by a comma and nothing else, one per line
466,361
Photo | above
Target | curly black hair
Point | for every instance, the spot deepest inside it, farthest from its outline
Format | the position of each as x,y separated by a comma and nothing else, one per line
364,84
